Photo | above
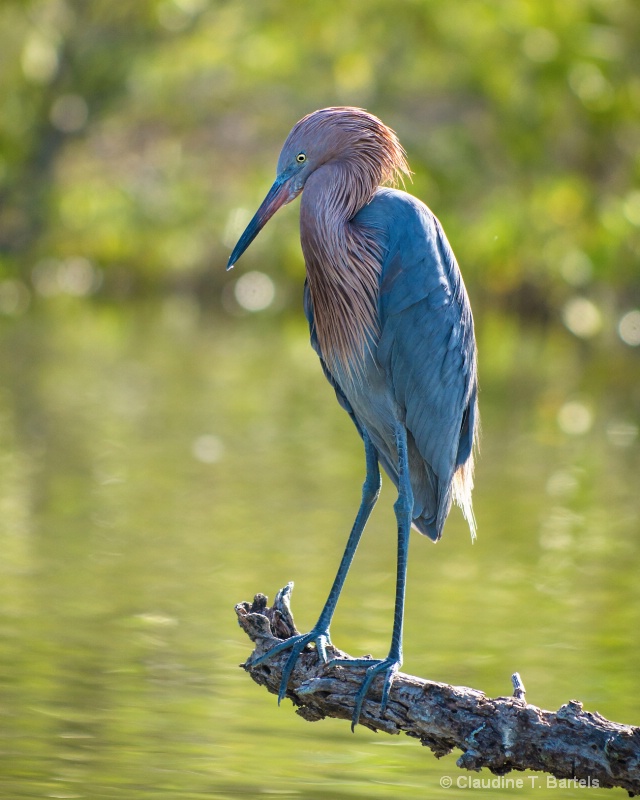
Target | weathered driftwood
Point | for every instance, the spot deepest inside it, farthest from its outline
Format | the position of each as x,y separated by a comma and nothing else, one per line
501,734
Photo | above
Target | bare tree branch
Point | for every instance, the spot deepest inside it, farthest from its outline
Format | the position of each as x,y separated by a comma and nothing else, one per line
502,734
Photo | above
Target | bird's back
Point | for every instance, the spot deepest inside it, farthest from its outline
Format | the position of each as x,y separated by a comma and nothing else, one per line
420,369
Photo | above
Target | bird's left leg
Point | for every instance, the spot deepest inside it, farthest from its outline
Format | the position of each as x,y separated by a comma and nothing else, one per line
320,632
403,508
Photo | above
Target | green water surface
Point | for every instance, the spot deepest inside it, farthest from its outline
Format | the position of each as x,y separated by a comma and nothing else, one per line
157,468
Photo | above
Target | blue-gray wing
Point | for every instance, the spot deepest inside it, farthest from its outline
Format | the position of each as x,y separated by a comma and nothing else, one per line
427,351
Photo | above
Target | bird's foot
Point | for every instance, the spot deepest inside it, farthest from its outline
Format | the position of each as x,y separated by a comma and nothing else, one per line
319,637
387,667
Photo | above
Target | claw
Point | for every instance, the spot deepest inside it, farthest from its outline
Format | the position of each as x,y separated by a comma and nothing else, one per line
389,666
297,644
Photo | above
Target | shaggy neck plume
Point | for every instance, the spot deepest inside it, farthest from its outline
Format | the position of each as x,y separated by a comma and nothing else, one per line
343,268
344,257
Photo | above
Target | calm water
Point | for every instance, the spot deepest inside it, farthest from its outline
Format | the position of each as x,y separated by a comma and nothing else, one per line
156,469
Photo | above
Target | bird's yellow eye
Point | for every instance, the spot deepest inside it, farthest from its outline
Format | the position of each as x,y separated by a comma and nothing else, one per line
300,158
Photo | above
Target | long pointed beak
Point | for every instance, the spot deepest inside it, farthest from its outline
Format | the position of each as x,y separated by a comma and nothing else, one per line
279,195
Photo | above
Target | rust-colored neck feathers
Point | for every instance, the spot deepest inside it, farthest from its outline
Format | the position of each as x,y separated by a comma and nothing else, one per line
343,257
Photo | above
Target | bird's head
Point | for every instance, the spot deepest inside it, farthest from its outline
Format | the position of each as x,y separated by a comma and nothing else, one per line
351,137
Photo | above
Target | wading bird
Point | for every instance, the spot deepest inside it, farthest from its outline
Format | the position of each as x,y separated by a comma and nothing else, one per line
390,320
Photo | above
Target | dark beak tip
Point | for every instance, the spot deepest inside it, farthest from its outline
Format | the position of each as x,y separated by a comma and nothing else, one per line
276,197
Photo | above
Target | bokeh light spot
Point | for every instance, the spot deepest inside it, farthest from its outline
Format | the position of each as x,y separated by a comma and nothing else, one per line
562,484
622,433
575,418
590,85
207,449
39,58
76,276
254,291
582,317
629,328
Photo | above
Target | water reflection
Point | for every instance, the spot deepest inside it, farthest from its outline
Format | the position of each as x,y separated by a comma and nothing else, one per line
157,469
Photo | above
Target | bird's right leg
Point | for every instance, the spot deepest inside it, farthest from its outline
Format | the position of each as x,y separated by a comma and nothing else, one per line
320,632
389,666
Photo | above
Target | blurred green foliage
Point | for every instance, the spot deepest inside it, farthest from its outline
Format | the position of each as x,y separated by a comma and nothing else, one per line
136,138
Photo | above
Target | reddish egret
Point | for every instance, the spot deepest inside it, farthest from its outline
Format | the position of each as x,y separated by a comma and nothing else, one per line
391,322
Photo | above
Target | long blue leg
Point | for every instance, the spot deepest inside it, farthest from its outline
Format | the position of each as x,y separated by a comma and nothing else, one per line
403,508
320,632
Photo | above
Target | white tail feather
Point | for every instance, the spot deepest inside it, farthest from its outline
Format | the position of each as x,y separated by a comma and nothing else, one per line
462,488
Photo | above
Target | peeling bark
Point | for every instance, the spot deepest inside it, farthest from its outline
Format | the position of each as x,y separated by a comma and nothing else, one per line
501,734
